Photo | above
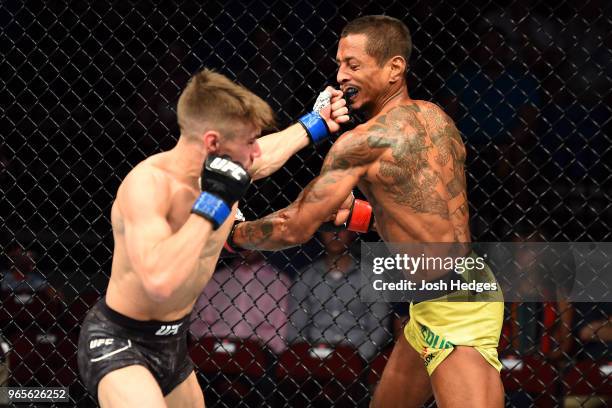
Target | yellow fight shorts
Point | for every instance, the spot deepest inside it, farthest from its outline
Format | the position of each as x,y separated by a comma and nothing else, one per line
437,326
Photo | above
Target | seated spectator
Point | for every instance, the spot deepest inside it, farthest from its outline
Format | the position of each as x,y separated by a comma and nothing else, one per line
594,330
327,307
537,279
27,297
246,300
542,329
22,275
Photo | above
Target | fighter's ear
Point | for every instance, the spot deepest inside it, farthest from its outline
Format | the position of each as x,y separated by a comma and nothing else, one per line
398,68
211,141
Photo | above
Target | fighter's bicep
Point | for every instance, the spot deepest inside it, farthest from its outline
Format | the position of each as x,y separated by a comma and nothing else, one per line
345,163
322,197
330,186
352,151
143,203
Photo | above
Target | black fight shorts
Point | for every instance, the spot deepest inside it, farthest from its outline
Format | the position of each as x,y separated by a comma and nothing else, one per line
109,341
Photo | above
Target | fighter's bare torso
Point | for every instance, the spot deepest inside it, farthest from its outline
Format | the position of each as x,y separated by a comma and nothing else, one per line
126,293
416,184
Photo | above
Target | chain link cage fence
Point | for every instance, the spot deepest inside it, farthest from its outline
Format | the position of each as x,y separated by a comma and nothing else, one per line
89,89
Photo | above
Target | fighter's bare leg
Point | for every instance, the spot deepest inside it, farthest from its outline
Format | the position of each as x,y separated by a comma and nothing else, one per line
404,381
465,379
132,386
187,394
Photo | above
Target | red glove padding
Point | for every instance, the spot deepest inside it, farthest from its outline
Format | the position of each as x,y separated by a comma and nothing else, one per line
360,217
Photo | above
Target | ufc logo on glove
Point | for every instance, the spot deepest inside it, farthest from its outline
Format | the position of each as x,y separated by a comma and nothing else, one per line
221,164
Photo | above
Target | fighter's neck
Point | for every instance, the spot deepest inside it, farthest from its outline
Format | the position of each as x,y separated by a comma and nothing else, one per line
187,158
389,101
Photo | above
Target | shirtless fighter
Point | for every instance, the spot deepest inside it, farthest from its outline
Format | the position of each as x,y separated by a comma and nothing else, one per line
408,160
170,220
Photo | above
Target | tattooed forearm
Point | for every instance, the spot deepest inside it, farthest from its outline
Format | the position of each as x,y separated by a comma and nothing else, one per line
296,224
263,234
259,231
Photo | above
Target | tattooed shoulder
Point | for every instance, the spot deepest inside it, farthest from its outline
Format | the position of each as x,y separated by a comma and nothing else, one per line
406,176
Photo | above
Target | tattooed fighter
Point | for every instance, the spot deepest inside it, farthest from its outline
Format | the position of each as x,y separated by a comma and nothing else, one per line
408,160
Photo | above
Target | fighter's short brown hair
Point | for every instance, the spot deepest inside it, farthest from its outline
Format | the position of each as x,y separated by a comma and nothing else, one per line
213,100
387,37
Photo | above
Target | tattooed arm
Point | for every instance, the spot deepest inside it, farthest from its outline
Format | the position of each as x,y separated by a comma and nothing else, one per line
450,156
346,162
